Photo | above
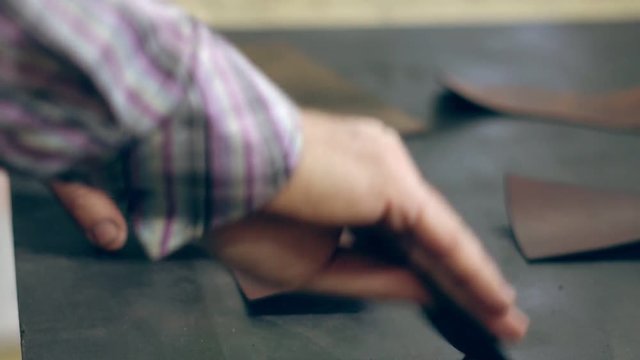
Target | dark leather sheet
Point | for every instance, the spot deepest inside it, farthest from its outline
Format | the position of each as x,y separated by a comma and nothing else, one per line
554,219
618,109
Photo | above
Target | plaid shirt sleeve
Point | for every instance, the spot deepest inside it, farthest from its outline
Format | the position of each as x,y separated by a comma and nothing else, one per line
208,138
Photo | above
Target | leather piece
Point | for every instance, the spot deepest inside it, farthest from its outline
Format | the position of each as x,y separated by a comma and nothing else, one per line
253,289
553,219
311,84
261,299
613,110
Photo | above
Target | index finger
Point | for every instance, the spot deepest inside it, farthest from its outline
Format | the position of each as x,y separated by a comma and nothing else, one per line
446,249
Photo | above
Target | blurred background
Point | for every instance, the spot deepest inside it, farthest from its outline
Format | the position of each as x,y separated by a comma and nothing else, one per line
240,14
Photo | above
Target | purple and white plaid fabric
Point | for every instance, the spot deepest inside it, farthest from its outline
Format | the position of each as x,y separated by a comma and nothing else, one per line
208,138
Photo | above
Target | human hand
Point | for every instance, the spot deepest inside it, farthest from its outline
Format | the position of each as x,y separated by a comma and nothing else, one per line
358,173
351,173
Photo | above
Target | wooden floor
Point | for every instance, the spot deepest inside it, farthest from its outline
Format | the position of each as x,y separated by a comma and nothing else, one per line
238,14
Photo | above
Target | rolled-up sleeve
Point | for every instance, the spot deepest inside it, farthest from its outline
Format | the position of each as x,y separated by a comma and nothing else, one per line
205,136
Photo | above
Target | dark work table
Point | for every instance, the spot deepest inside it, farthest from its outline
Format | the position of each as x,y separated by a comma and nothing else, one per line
76,303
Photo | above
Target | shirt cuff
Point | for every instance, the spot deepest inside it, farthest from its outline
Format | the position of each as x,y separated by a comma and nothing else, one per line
226,152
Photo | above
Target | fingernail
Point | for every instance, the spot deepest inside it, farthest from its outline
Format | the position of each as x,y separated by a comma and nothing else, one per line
105,234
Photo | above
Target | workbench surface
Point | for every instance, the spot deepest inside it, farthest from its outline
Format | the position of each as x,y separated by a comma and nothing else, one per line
78,304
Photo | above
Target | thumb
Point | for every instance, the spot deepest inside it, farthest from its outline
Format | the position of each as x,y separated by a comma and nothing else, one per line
95,212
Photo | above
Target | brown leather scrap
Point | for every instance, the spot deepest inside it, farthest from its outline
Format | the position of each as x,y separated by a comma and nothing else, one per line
554,219
311,84
615,110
